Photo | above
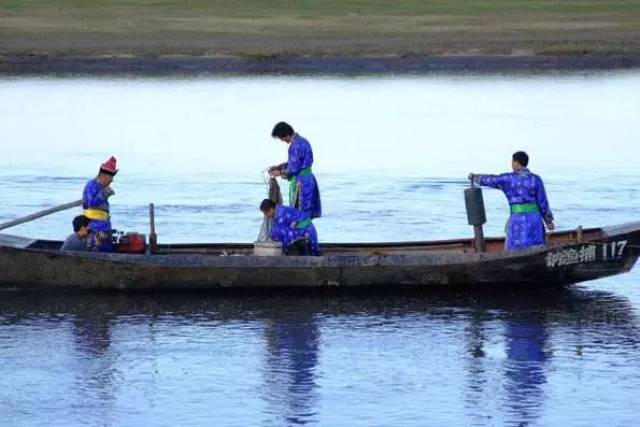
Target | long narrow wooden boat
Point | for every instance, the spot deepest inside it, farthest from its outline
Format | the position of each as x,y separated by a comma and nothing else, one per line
569,257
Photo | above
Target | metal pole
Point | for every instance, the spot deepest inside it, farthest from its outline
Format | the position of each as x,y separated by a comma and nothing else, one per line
478,237
153,237
40,214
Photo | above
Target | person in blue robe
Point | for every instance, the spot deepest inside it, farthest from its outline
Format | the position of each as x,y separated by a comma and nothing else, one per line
528,202
303,187
95,203
292,227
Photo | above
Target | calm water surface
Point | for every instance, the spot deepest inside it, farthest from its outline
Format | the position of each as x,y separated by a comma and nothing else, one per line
392,155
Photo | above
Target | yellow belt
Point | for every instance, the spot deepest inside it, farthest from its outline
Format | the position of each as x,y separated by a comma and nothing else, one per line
96,214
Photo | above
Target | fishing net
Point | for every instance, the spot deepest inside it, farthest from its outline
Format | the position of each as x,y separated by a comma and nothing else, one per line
274,194
274,191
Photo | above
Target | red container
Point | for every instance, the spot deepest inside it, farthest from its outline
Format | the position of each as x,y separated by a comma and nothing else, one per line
131,243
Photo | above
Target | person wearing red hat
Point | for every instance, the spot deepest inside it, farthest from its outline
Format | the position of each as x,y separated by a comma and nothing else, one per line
95,202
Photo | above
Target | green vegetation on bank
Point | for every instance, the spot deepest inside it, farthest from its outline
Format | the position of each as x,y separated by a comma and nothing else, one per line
318,27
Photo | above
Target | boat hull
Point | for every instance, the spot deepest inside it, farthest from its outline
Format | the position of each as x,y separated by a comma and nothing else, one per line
614,251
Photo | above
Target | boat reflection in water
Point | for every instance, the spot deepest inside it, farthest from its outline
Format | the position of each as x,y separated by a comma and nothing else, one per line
189,357
507,376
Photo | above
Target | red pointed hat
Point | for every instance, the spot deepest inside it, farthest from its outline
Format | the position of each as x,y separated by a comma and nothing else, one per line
109,167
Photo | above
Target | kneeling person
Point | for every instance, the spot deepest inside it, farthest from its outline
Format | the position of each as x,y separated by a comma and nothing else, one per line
78,240
291,227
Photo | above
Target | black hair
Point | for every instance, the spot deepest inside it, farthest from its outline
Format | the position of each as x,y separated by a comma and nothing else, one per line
522,158
282,129
106,172
79,222
267,204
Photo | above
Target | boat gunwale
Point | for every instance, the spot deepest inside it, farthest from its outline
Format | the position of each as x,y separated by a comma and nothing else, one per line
195,260
432,244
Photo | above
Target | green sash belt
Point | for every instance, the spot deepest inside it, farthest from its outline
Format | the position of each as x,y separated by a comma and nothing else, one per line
305,171
524,208
293,185
304,223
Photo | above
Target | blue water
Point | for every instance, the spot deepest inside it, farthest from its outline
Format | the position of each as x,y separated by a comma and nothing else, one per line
392,155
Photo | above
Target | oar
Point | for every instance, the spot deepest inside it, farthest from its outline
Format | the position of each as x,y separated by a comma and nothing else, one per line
40,214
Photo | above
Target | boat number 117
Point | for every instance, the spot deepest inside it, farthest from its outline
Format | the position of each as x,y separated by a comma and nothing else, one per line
613,249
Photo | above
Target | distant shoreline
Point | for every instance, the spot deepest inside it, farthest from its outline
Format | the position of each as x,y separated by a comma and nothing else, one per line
34,65
331,37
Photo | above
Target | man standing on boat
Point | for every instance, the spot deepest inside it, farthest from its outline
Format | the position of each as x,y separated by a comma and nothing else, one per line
95,202
292,227
303,187
527,198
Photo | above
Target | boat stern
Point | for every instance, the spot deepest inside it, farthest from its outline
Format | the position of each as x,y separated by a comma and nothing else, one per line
622,242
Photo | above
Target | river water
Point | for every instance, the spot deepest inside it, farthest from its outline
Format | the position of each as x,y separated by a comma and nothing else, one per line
392,155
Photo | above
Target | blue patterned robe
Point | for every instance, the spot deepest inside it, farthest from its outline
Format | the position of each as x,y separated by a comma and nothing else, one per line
523,229
94,197
285,228
306,196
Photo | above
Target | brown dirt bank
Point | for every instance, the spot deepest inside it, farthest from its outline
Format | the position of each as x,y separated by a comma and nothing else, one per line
300,65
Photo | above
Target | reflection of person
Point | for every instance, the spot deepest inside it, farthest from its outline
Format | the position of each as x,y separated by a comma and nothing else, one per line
78,240
96,362
525,372
303,187
291,227
95,202
292,344
528,200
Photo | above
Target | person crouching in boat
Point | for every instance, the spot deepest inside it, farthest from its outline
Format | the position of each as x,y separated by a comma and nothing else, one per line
78,240
527,198
292,227
82,239
303,187
95,202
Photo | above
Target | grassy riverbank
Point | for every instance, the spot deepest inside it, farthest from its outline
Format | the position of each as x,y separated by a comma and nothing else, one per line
355,28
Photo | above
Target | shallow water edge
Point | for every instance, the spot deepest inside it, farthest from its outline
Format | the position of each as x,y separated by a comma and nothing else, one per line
307,65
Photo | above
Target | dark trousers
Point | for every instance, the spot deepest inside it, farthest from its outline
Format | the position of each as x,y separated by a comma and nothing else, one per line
300,247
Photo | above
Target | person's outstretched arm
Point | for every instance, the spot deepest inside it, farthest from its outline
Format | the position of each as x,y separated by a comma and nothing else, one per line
493,181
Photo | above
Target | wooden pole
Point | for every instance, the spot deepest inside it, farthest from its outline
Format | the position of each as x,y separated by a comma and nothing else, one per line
478,239
40,214
153,237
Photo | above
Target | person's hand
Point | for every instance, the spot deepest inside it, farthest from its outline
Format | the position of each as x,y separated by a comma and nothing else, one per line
99,237
274,173
108,191
551,226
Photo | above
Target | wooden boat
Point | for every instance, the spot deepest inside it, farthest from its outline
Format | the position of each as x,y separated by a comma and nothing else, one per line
569,257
